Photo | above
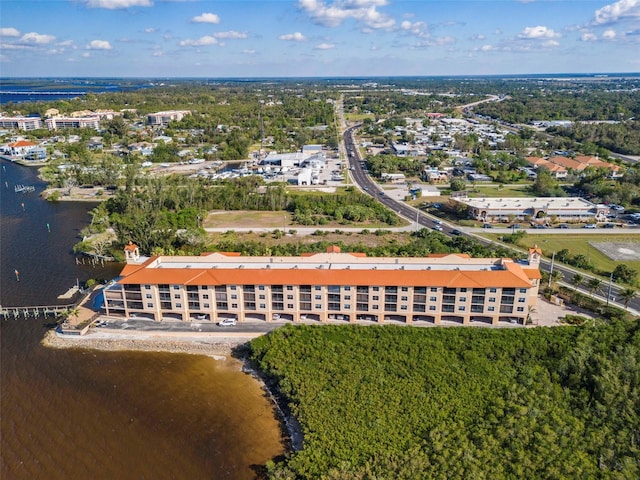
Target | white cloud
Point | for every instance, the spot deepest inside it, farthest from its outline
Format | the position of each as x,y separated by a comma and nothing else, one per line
417,28
478,36
33,38
325,46
617,11
9,32
117,4
99,45
588,37
249,52
538,32
201,42
86,54
206,18
232,34
609,34
149,30
296,37
364,12
487,48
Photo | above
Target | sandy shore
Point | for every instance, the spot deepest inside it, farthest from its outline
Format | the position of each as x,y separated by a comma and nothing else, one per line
212,346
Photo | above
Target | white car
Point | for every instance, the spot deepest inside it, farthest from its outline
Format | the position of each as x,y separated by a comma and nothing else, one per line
227,322
276,316
438,228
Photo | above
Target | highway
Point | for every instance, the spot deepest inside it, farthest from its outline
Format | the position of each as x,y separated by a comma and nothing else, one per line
364,181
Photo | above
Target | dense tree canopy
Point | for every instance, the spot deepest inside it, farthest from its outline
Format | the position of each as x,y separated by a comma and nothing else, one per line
405,403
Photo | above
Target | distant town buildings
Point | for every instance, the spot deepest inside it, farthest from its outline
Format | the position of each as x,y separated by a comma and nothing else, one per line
559,165
21,123
326,286
55,123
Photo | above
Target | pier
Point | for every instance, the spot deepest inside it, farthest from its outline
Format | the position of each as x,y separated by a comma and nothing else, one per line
7,313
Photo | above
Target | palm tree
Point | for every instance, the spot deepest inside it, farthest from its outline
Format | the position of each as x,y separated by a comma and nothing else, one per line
593,284
627,295
556,276
577,279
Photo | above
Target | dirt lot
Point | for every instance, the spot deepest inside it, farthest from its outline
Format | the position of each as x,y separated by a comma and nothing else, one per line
547,314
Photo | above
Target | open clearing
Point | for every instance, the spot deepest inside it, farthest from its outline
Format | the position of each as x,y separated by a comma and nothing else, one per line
583,244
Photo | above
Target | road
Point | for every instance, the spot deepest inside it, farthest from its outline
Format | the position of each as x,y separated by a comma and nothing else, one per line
364,181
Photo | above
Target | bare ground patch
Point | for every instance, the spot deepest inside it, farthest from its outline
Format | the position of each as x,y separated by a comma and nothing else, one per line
618,250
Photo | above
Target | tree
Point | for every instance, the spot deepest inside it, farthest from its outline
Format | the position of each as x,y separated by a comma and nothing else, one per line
624,273
593,284
577,279
457,185
627,295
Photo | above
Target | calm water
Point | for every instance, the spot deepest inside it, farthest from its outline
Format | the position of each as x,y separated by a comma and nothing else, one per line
75,414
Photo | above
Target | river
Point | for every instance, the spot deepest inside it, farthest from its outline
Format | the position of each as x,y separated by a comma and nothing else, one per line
105,415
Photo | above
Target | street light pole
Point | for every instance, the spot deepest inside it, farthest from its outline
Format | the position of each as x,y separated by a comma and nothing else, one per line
609,292
551,269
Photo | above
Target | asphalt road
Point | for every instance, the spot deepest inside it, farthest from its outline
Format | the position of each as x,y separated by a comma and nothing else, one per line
364,181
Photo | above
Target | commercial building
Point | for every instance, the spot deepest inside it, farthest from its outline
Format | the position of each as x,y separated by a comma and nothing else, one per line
329,286
21,123
564,209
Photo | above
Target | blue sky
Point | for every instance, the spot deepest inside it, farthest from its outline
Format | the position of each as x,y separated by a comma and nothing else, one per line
274,38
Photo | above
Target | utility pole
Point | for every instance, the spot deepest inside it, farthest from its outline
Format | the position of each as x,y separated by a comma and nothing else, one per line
553,257
609,292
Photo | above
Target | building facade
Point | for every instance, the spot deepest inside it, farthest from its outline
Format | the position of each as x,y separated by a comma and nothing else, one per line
54,123
163,118
21,123
568,209
330,286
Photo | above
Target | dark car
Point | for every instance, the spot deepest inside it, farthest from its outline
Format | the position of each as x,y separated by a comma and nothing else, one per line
487,225
456,232
608,225
564,225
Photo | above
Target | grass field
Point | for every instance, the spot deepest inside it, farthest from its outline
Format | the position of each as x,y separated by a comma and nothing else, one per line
493,191
579,244
276,220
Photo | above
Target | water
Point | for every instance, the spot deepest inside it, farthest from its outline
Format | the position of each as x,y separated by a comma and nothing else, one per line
105,415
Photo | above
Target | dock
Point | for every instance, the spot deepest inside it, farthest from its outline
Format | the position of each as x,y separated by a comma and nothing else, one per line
69,293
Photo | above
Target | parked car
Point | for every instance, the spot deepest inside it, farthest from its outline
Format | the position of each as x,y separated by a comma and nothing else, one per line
227,322
590,225
276,316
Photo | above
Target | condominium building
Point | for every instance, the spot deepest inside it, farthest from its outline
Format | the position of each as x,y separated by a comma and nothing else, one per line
163,118
21,123
329,286
54,123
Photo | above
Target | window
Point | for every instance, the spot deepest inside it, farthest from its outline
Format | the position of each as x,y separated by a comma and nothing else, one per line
149,305
347,306
289,297
261,287
347,297
404,299
522,300
176,287
461,308
263,305
289,287
347,289
147,287
203,287
405,289
233,287
149,295
433,289
290,305
523,290
491,309
463,290
492,299
318,287
432,307
205,296
334,288
318,306
463,299
493,290
318,297
206,305
521,309
177,295
234,305
234,297
376,298
261,297
178,305
374,307
403,307
375,289
433,299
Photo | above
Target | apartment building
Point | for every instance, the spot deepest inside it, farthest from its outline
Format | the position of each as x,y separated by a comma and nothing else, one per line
163,118
329,286
21,123
54,123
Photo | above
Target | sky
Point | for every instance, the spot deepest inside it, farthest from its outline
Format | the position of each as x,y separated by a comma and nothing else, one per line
316,38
